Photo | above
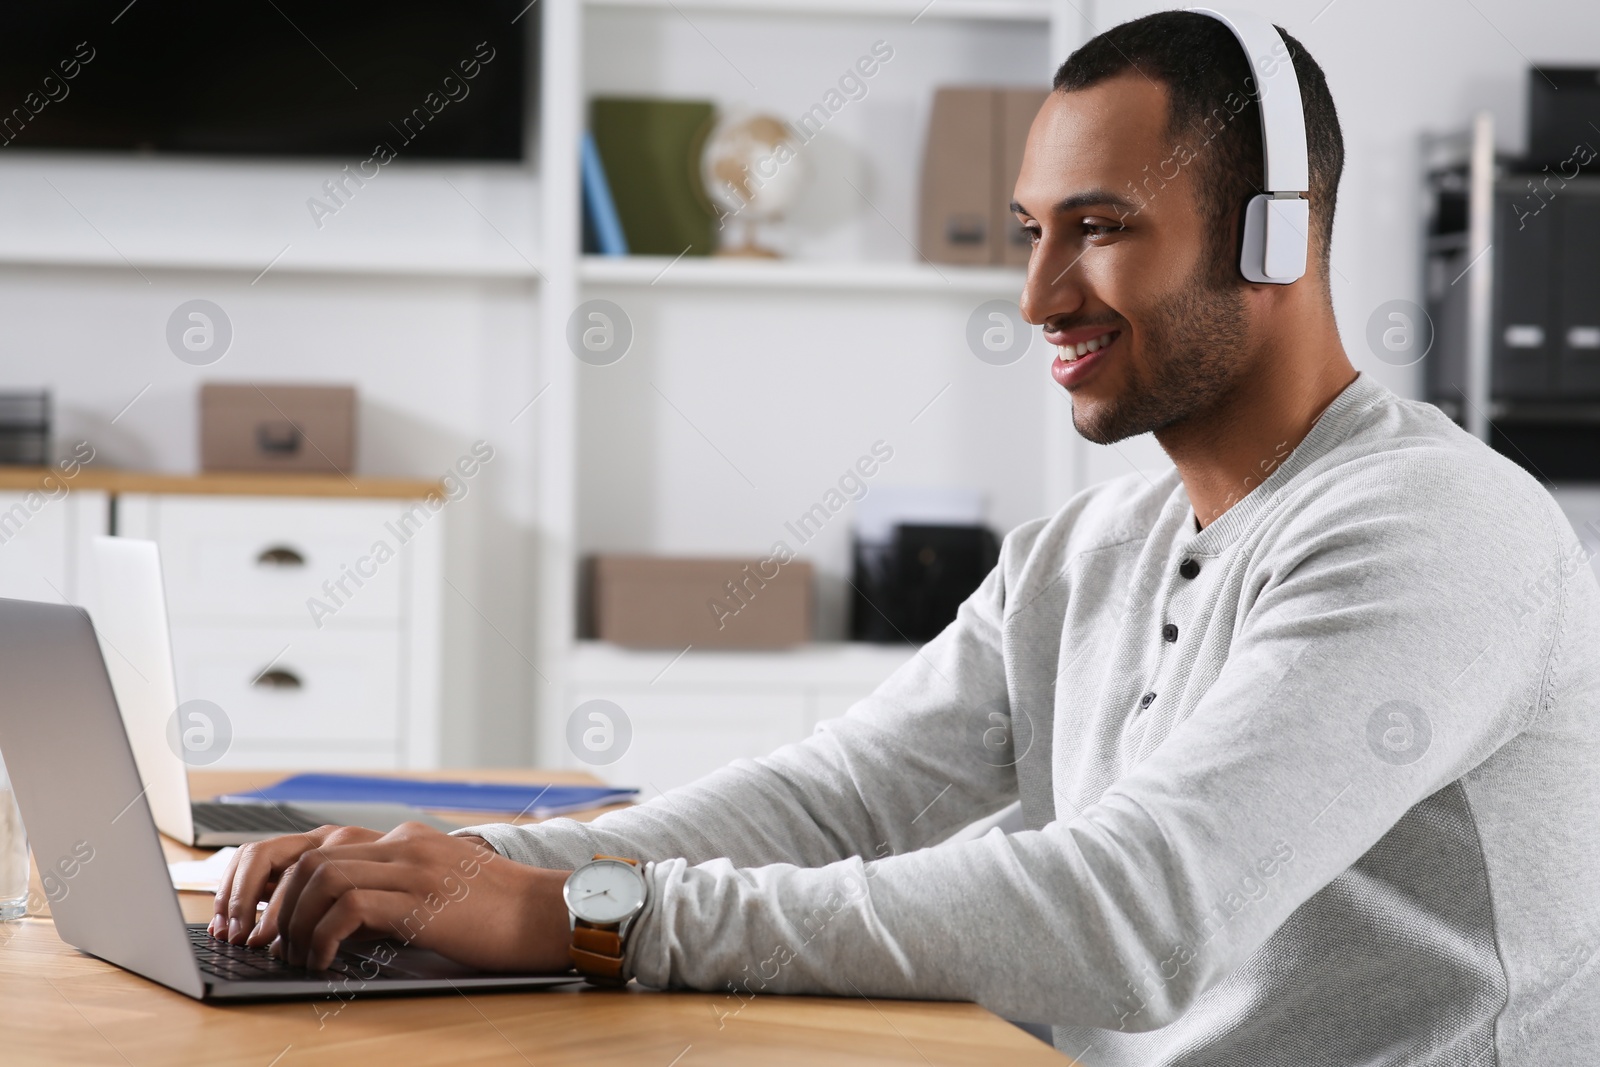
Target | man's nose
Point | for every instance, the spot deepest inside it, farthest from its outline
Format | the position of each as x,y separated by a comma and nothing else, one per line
1053,286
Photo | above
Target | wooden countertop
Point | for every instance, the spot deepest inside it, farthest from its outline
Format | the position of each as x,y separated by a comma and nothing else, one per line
61,1007
215,483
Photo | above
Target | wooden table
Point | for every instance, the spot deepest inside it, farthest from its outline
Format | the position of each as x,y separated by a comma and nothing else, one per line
60,1007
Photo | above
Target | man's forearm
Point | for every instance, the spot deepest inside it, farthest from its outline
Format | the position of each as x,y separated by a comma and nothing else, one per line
732,813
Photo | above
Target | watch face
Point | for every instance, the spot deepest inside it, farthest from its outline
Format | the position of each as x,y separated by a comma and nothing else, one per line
605,891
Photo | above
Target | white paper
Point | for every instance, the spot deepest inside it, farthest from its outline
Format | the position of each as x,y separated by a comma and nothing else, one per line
201,876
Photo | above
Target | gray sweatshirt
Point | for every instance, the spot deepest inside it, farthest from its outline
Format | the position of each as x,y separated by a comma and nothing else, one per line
1315,785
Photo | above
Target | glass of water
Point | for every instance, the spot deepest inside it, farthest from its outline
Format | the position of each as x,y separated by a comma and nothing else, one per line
13,853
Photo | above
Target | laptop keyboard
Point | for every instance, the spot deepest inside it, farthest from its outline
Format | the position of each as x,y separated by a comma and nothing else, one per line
222,818
241,963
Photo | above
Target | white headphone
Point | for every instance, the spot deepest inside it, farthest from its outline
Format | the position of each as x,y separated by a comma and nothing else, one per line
1277,221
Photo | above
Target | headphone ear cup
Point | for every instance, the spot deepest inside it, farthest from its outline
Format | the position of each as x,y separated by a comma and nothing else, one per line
1288,226
1272,246
1253,242
1253,239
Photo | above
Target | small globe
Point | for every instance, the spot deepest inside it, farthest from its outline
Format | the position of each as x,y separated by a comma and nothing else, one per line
752,171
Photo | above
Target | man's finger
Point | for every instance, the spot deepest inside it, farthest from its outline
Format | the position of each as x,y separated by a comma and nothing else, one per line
258,865
266,927
270,862
373,910
293,883
330,881
219,906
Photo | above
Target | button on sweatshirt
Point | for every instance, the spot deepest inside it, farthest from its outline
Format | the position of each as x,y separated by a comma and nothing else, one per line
1349,815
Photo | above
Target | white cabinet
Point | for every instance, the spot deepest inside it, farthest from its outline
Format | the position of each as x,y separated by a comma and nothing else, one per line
312,622
309,615
692,714
43,530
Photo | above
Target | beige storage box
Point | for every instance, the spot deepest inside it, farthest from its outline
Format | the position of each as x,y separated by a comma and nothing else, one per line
958,177
655,602
270,427
973,154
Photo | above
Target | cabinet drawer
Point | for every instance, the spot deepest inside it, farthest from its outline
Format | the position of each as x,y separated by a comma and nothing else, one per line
33,547
324,685
243,558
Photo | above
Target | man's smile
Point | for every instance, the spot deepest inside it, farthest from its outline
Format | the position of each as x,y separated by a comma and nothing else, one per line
1079,351
1070,351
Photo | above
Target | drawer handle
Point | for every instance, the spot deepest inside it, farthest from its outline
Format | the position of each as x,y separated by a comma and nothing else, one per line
278,438
277,678
281,556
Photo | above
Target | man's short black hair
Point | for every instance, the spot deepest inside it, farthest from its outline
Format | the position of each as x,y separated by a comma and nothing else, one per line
1213,114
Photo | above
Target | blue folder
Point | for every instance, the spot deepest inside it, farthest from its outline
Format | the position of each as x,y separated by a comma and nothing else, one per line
452,796
597,200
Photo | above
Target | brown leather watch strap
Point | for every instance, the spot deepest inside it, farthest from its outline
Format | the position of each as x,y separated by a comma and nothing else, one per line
596,939
597,953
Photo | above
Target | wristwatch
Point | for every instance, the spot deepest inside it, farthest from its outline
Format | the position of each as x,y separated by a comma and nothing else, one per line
603,898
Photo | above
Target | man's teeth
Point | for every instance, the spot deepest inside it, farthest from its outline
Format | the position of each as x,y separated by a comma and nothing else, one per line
1072,353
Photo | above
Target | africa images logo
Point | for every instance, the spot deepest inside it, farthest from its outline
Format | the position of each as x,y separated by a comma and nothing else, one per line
1399,732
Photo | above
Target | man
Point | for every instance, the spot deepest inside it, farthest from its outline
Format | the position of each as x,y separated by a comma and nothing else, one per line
1304,732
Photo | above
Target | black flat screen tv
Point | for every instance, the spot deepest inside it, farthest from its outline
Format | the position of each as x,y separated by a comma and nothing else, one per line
445,79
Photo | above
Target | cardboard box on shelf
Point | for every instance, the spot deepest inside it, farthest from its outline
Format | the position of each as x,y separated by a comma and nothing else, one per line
976,136
270,427
660,602
1017,108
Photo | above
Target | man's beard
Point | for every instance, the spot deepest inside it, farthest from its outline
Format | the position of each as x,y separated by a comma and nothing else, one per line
1194,338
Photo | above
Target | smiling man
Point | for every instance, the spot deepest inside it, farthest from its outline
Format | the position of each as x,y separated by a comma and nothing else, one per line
1303,732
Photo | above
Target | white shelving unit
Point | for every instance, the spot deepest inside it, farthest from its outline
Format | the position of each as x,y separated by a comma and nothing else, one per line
1036,11
782,275
692,713
164,215
750,385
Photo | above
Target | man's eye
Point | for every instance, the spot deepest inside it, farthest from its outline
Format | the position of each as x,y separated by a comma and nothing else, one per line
1031,234
1099,229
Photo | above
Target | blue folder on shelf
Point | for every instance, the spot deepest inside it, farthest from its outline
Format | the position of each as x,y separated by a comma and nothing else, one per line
537,800
600,208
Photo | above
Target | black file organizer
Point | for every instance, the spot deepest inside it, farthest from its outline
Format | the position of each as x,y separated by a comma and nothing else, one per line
910,587
25,429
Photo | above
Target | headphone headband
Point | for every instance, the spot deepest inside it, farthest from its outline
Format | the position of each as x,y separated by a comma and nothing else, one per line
1283,117
1274,247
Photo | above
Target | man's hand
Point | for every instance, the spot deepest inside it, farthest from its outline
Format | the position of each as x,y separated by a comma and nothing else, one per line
453,895
255,872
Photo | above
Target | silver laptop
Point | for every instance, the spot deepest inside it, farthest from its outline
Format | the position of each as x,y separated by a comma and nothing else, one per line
125,597
89,823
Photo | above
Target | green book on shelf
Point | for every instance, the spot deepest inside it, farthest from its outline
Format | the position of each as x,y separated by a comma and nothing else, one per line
651,153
